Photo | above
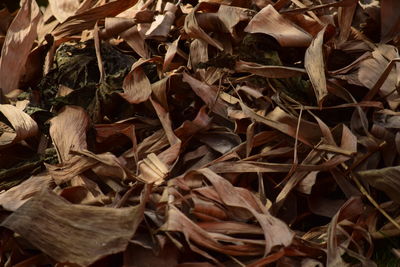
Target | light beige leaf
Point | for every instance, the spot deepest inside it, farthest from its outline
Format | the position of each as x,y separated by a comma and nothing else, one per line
60,230
68,131
15,197
63,9
314,64
161,26
88,18
18,43
232,15
24,126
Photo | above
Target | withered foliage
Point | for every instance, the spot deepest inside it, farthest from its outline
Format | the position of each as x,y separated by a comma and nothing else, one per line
199,133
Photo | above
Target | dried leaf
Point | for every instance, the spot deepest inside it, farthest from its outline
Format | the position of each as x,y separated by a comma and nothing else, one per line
385,179
270,225
390,20
193,29
24,126
353,207
161,26
58,228
64,9
314,64
18,43
15,197
87,19
207,93
68,131
268,71
137,87
269,21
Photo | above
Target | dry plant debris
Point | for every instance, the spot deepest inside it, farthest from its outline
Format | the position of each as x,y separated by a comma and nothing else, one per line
200,133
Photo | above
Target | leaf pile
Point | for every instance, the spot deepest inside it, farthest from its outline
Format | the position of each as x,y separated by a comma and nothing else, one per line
231,133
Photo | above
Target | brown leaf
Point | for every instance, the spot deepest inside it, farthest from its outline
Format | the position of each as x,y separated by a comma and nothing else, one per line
161,26
314,64
58,228
115,25
177,221
169,56
270,22
390,20
137,255
15,197
193,29
24,126
230,227
18,43
64,9
134,36
276,232
373,69
385,179
87,19
352,208
232,15
345,18
137,87
68,131
287,124
207,93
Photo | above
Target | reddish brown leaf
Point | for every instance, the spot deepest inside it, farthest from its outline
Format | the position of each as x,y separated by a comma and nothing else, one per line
193,29
270,22
137,87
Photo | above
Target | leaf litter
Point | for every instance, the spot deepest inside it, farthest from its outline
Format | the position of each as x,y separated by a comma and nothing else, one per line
186,133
